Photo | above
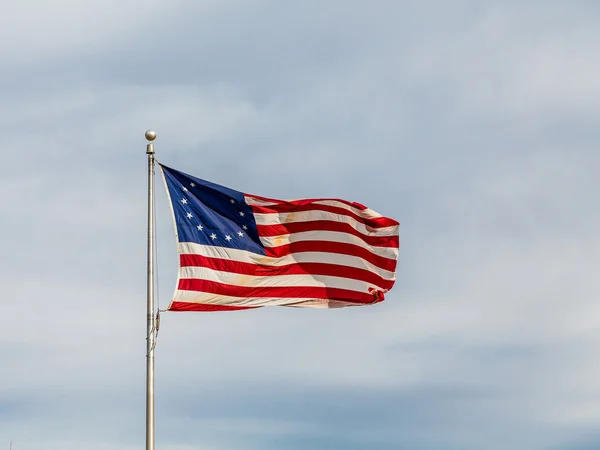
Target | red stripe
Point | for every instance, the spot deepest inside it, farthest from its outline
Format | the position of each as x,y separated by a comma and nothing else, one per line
377,222
326,225
185,306
307,201
261,270
331,247
194,284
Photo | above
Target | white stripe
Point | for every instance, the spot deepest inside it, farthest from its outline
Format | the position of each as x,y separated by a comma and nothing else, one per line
274,281
365,213
329,236
226,300
309,216
233,254
323,303
253,201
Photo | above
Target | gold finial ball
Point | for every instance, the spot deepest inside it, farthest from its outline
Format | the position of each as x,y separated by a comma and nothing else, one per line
150,135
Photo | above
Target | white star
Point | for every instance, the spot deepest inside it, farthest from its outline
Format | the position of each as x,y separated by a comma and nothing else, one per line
228,238
240,233
200,227
232,201
213,236
184,201
242,213
184,189
245,227
189,215
192,184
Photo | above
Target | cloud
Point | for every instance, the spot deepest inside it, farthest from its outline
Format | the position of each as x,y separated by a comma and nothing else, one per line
514,61
471,123
35,32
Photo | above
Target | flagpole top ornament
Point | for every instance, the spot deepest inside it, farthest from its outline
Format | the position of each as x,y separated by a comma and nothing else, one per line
150,135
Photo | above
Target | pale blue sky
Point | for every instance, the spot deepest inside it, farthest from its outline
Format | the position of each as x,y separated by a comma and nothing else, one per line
473,123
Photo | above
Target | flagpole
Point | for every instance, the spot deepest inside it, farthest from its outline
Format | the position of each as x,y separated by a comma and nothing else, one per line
150,332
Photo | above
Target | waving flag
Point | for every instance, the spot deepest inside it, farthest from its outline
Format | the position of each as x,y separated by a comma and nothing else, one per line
241,251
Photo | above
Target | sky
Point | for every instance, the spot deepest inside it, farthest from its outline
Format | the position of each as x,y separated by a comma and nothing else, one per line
473,123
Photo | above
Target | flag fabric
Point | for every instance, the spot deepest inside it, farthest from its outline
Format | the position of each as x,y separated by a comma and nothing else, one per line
242,251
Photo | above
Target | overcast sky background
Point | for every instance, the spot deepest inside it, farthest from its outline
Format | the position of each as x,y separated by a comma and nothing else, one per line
473,123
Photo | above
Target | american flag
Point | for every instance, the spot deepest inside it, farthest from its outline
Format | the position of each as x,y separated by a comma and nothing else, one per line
242,251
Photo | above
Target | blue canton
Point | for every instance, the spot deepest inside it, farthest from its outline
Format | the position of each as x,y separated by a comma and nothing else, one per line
209,214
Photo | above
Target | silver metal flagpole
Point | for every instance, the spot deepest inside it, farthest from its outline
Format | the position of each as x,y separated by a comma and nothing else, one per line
150,336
